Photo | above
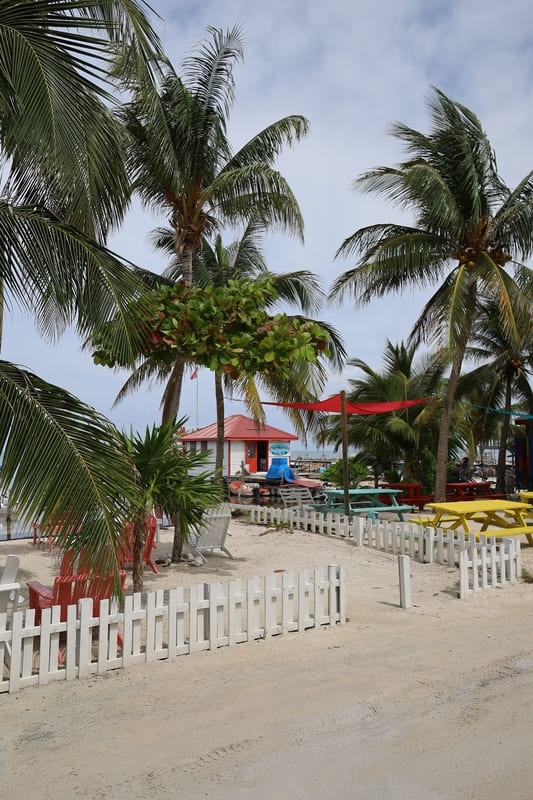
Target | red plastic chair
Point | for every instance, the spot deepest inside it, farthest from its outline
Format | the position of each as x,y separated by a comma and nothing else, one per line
63,592
67,591
126,551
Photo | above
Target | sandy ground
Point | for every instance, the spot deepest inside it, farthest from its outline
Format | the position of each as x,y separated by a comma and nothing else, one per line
434,702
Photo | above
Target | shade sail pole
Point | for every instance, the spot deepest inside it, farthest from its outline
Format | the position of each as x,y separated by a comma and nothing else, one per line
345,465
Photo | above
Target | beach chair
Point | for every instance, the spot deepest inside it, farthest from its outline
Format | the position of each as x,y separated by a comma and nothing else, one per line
72,564
67,591
300,497
9,595
126,552
212,532
9,588
50,532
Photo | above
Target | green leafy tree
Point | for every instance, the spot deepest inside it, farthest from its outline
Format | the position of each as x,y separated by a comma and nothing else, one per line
357,470
64,188
217,265
181,162
226,329
468,228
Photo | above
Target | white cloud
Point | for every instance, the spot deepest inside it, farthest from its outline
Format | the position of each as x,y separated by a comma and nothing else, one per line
353,69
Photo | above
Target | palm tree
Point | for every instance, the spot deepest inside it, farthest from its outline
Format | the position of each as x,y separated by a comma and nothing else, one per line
407,436
170,477
64,188
504,375
468,227
181,161
61,144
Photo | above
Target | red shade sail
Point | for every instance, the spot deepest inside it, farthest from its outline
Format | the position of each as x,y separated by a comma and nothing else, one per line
332,405
336,404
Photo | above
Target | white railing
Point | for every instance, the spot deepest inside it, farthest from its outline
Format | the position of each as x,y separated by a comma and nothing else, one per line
164,625
487,563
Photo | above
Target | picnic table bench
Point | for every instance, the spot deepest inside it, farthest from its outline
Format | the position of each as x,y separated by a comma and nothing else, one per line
372,512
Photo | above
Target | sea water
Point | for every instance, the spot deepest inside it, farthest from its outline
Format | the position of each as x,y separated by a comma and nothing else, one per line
14,529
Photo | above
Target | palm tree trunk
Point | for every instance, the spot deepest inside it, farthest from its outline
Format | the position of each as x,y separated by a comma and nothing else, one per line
186,266
171,401
501,483
219,454
445,422
139,538
177,545
172,395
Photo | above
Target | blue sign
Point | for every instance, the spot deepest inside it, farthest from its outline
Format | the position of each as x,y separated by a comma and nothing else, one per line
279,449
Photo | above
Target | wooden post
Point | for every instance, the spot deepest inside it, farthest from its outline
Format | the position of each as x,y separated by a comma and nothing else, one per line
405,582
345,465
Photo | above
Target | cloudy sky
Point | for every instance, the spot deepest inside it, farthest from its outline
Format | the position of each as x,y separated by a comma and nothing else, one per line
352,69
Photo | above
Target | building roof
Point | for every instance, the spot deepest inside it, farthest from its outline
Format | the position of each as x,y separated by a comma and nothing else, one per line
239,428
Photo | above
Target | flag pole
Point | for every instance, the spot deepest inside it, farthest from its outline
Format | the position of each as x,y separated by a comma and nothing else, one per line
197,426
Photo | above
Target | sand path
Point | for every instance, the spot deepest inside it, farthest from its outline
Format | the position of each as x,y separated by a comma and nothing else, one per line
435,702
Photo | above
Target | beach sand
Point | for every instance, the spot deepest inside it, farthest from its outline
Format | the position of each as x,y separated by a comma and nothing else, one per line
432,702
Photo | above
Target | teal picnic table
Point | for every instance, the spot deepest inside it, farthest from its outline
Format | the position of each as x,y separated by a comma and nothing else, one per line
364,500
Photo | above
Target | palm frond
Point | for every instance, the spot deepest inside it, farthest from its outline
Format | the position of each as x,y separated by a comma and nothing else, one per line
256,190
53,98
61,460
61,276
209,70
266,145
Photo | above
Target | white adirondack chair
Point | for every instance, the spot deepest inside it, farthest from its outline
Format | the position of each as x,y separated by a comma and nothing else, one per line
9,588
9,594
212,532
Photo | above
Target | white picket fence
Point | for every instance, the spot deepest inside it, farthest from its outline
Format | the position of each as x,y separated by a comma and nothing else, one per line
483,563
165,624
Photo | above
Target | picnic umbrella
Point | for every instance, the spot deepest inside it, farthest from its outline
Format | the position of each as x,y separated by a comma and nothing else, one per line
337,404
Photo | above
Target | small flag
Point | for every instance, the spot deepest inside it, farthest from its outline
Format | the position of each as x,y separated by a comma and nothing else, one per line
194,374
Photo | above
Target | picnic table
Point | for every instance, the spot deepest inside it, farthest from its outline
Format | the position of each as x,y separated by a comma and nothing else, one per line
364,500
497,517
526,496
411,493
471,490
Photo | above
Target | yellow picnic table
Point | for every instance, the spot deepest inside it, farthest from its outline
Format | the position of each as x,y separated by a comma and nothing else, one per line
506,516
526,496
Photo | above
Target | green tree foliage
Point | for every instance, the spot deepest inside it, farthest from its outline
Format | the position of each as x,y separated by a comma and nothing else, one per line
358,471
226,329
215,265
502,375
170,477
401,437
64,188
181,161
